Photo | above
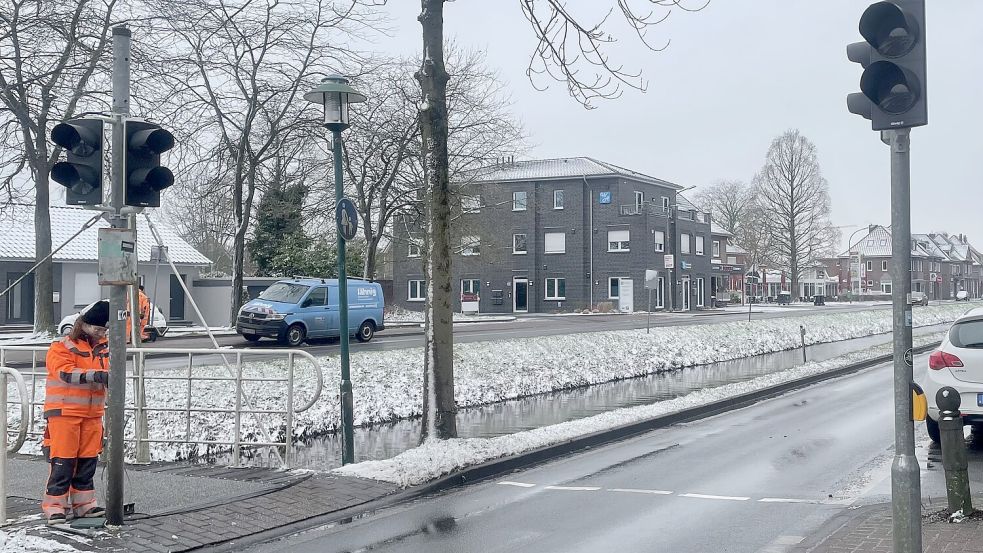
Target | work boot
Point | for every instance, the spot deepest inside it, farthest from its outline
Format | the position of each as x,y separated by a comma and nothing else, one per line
57,518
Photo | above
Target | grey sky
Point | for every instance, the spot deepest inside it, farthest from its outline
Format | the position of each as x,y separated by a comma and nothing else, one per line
735,76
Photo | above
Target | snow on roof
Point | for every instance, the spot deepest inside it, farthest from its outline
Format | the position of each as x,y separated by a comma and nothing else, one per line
877,243
558,168
17,228
714,229
928,244
734,248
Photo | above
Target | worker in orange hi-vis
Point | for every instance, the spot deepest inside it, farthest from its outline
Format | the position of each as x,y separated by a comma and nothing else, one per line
145,314
75,398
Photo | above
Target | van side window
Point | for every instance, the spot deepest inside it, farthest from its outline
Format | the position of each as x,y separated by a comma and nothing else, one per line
318,297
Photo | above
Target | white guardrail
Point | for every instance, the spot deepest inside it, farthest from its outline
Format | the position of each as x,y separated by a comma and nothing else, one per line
29,361
24,424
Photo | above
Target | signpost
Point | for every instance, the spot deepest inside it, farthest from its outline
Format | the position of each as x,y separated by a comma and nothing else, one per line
346,217
651,281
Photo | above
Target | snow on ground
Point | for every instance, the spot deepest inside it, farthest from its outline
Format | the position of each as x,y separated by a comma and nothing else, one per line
20,541
436,458
399,315
387,384
27,339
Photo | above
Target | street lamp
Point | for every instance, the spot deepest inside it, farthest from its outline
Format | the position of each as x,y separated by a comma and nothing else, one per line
849,253
334,95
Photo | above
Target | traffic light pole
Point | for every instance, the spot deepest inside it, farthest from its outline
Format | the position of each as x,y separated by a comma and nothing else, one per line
117,295
905,474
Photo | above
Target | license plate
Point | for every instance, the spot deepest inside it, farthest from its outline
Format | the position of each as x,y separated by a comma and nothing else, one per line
251,331
979,400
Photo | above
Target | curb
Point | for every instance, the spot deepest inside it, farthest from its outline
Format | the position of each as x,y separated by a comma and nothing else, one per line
503,465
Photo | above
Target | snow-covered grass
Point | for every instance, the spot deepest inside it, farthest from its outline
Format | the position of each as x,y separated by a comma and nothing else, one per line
400,315
27,338
21,542
436,458
388,384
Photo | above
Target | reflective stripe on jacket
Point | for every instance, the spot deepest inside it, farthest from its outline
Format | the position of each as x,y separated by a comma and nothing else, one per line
69,389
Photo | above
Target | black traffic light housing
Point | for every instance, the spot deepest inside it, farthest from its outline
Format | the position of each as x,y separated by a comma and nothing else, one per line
893,85
82,139
145,178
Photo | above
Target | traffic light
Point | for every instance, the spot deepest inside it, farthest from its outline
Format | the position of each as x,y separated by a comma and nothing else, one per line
145,178
82,173
893,86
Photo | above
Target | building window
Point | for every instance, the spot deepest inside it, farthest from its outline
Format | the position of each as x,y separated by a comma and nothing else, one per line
870,284
471,204
660,295
660,240
555,242
519,244
700,292
617,240
883,242
558,199
665,204
699,245
884,265
870,243
470,288
556,289
684,243
413,250
870,265
885,287
614,288
716,248
639,200
417,290
518,201
470,245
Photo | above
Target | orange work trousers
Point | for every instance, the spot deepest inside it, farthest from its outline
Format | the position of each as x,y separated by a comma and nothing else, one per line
72,446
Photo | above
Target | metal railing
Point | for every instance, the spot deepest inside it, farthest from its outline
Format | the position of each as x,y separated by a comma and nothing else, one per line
185,377
25,422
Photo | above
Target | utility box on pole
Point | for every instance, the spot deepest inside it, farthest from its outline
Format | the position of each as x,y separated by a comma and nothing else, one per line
117,257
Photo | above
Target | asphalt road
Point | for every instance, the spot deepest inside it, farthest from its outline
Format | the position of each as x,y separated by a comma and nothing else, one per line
757,479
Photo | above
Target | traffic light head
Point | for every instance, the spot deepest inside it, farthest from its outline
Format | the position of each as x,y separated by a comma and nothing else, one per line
892,88
145,178
82,173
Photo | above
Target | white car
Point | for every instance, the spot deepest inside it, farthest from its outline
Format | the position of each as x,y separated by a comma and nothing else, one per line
958,363
962,295
156,328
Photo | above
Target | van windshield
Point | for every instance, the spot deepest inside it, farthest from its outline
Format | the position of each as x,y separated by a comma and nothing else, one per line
967,334
284,292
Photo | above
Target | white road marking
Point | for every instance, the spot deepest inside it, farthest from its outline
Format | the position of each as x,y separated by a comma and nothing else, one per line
781,543
786,500
723,497
631,490
519,484
574,488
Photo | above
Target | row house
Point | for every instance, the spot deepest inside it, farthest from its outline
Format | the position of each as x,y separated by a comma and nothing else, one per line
561,235
941,265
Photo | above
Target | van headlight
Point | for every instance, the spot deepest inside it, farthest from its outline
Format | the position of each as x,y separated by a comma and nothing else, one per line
274,316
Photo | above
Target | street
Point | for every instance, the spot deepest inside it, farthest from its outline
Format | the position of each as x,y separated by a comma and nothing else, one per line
756,479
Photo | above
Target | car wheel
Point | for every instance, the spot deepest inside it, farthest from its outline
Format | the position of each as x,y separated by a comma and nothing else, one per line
366,331
933,430
251,338
66,330
295,335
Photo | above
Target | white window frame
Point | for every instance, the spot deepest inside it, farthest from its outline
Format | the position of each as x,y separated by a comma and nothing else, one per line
525,237
883,265
619,245
470,245
701,292
639,199
558,195
556,287
716,248
413,249
684,245
516,204
870,265
660,294
699,245
549,242
665,204
470,288
659,240
887,288
418,286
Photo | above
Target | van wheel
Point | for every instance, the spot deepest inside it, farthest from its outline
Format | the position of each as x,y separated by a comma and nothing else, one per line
366,331
294,336
933,430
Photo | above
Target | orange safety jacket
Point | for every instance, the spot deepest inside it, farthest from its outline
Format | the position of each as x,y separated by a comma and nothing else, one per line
70,389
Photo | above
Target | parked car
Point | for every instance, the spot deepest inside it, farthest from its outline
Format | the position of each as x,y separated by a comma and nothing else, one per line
962,295
958,363
156,328
919,298
293,310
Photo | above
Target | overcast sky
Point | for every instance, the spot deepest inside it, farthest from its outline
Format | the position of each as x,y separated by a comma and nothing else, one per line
736,75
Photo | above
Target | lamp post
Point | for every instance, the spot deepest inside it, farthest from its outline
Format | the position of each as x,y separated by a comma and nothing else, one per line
335,95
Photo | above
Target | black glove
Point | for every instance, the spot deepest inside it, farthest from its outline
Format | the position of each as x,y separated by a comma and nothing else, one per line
101,377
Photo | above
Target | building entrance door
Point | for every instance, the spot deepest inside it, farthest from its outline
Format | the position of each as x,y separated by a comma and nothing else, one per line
687,292
520,295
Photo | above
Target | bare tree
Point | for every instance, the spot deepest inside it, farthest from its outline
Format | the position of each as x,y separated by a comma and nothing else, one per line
728,202
52,66
795,204
240,68
564,45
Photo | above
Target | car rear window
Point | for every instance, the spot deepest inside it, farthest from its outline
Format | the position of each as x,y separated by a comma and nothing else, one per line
968,334
285,292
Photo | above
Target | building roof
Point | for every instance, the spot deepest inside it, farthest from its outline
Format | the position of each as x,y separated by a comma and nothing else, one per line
734,248
877,243
560,168
714,229
17,229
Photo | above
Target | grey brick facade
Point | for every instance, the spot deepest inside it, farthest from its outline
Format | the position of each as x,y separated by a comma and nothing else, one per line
575,254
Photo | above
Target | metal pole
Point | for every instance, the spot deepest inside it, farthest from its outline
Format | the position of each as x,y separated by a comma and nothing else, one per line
140,427
117,295
3,462
905,484
670,242
648,318
347,402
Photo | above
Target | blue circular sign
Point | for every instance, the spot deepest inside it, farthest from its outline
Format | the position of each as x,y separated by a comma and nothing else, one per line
347,217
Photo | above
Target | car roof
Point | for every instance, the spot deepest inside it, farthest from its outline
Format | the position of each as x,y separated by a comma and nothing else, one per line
313,281
974,314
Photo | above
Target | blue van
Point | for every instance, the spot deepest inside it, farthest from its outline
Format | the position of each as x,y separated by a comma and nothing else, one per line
293,310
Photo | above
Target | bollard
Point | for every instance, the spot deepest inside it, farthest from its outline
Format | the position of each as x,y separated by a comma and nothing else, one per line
802,332
953,444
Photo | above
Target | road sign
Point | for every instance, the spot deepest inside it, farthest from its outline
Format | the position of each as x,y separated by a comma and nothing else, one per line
938,279
907,357
651,279
669,261
347,217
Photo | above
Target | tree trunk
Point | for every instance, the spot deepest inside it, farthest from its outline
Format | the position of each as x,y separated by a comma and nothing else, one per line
44,275
371,255
439,410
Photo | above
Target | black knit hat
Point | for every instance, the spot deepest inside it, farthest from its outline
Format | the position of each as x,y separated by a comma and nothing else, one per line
97,314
